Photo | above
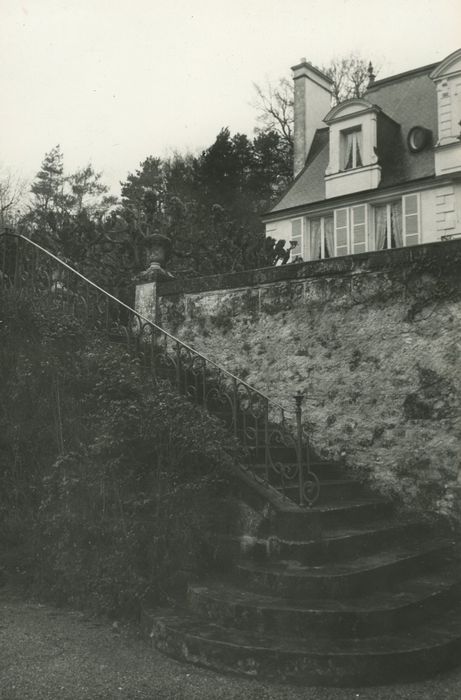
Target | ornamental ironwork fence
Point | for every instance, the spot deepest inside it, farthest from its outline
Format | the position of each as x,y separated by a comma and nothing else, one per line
276,445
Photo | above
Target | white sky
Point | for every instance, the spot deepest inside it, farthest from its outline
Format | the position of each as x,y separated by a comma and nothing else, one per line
113,82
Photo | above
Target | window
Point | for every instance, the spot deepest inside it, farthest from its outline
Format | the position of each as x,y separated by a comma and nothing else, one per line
351,230
321,238
397,224
351,149
388,226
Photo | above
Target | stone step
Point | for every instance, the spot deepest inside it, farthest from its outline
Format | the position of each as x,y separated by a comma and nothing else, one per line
334,545
331,491
405,605
348,662
343,543
358,576
309,522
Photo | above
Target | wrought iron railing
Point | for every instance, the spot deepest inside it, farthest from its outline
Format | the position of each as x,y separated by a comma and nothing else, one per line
276,446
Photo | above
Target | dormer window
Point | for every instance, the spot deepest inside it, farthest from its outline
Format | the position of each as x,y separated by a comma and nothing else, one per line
351,143
353,164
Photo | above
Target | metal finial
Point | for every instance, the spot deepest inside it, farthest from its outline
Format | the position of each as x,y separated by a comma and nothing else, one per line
371,75
299,398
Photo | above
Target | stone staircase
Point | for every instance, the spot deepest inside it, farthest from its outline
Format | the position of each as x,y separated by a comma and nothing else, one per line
348,592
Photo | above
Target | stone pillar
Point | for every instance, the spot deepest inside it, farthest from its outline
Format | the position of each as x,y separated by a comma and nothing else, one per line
146,300
158,253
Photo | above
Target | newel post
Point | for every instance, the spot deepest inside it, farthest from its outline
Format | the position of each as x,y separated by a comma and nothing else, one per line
158,253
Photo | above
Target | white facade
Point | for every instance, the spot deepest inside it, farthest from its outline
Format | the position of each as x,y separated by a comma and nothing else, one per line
357,213
387,221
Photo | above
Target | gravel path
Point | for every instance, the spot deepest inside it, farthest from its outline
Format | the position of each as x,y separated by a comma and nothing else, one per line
48,653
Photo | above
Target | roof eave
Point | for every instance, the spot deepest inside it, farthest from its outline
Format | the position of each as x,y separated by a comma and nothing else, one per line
409,184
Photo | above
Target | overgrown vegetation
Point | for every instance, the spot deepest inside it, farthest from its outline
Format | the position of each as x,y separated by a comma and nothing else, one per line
110,482
210,205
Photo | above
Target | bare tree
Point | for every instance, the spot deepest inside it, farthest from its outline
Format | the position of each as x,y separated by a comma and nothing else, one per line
12,190
274,106
350,75
274,103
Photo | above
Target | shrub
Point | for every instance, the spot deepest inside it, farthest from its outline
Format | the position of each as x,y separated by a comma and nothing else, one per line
120,493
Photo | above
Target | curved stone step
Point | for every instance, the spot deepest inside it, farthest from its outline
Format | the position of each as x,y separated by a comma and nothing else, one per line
379,612
346,662
298,524
333,545
343,543
350,578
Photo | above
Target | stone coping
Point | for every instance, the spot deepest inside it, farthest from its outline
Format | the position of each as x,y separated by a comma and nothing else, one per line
427,253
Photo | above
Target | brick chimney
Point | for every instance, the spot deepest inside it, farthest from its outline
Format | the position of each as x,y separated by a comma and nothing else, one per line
312,102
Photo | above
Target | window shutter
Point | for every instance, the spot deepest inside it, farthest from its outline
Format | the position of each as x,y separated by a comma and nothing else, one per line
341,232
411,219
297,235
359,229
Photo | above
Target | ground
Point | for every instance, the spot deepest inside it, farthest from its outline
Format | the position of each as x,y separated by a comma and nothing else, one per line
49,653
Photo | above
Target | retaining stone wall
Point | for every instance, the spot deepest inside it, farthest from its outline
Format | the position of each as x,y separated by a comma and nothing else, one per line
375,342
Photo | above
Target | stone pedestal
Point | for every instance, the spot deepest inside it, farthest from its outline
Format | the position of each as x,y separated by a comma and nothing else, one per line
146,300
159,250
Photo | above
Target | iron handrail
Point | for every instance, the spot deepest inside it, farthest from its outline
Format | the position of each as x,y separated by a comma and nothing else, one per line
146,320
268,443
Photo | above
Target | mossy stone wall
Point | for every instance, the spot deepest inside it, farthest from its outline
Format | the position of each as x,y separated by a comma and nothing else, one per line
373,340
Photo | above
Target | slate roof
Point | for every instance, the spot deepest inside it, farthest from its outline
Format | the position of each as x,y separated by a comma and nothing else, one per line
410,99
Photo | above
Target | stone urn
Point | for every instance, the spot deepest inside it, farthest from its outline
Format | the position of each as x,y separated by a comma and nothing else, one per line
158,249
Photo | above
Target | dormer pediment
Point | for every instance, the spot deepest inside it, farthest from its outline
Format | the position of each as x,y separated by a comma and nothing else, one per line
354,107
450,66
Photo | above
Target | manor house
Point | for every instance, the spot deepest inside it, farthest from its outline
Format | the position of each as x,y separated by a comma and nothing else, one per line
382,171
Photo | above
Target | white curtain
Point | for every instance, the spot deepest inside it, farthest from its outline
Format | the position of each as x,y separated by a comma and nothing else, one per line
348,159
396,219
315,249
329,237
353,150
358,150
381,227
